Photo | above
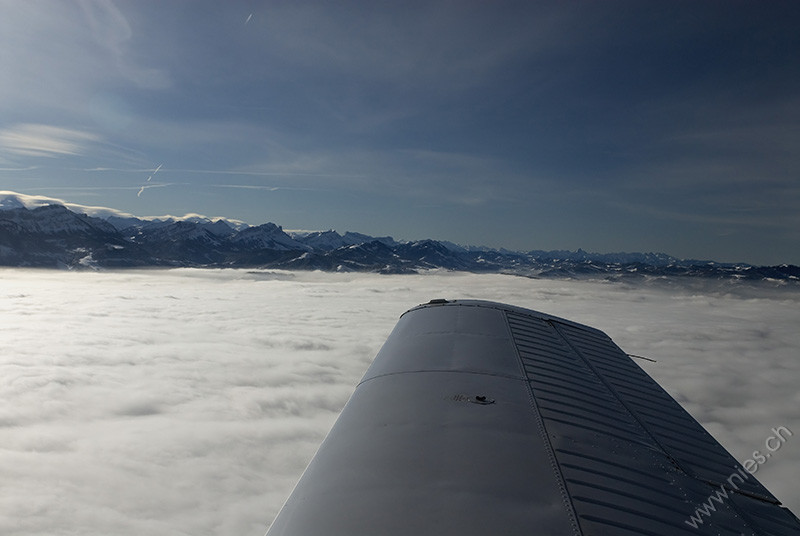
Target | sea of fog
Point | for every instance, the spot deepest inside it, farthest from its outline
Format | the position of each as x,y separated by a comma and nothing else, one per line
189,401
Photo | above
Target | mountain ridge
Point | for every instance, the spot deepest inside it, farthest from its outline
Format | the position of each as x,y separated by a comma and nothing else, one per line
45,233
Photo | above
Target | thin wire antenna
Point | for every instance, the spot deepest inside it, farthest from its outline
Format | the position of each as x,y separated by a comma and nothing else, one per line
642,357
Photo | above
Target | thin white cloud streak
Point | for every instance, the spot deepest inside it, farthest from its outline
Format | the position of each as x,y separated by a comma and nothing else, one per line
151,185
27,168
266,173
414,175
117,170
189,401
98,188
28,139
222,172
265,188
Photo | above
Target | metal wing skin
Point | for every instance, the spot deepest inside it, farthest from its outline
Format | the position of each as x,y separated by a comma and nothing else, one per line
482,418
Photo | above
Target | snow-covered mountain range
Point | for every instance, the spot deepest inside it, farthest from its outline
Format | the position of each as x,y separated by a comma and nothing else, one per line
44,232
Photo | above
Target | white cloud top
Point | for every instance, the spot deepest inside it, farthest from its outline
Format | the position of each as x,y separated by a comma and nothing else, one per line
189,401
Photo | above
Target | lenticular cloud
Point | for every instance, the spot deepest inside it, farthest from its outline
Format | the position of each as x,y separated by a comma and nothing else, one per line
189,401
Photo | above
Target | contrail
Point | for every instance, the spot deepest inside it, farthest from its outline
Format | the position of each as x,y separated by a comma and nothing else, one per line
148,186
154,172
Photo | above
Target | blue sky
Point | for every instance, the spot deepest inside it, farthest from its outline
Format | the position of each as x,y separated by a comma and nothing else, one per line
610,126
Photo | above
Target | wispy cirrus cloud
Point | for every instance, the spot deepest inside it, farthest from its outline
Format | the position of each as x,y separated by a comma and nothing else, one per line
27,168
260,187
31,139
112,32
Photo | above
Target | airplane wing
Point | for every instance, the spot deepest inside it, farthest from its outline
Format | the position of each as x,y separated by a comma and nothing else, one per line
482,418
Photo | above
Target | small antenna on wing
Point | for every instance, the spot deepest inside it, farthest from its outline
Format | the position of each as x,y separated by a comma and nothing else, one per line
642,357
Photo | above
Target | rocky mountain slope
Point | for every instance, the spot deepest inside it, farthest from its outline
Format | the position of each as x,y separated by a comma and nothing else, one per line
54,236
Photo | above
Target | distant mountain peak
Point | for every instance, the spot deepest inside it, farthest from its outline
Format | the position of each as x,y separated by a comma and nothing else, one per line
42,231
12,200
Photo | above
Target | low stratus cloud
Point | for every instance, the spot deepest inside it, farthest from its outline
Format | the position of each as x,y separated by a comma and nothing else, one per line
189,401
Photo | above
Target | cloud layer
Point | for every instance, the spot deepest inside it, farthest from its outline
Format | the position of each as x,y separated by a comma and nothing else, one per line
189,402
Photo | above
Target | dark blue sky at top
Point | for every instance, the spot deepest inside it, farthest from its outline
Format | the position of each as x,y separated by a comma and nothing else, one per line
610,126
